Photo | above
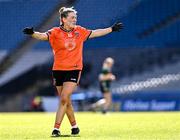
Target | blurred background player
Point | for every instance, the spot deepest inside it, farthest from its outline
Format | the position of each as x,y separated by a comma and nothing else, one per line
67,44
105,78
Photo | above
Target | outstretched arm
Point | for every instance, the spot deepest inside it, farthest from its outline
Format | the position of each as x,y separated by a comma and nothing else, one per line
40,36
36,35
101,32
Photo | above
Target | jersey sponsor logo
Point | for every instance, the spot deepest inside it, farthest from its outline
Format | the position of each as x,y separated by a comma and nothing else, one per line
70,44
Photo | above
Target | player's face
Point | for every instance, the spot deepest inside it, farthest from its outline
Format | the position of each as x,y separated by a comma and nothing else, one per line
109,64
70,20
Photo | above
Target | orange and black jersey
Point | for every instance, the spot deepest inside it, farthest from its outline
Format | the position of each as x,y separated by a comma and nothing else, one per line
67,47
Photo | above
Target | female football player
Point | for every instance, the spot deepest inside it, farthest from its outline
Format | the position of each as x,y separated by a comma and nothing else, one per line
105,78
67,45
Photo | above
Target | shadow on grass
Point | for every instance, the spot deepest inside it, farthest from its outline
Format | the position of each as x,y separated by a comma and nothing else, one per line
66,136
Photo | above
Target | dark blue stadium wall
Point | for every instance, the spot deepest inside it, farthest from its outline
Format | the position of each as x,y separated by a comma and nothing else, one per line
136,15
15,15
136,18
99,14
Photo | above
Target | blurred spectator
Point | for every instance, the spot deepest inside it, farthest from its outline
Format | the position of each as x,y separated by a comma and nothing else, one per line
36,104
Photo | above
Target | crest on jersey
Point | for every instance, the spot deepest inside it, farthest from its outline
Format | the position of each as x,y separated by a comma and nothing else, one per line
76,34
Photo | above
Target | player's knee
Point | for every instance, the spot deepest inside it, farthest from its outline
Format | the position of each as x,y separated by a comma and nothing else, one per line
64,101
69,104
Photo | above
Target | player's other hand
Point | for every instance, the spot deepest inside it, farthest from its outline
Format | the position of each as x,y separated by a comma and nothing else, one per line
116,27
28,30
113,77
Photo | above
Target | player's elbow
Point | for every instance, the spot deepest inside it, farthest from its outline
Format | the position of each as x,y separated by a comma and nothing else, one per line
94,34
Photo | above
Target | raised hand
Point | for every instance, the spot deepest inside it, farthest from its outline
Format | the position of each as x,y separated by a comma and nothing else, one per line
116,27
28,30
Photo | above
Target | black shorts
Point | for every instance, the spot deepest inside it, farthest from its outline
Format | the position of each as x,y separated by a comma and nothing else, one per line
59,77
105,86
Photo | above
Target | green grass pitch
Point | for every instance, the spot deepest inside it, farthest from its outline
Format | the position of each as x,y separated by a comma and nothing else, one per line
93,126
